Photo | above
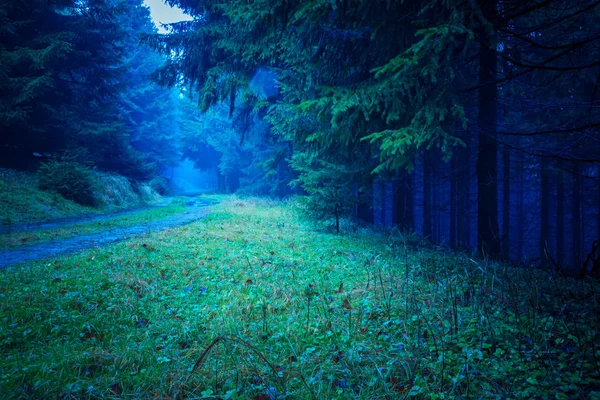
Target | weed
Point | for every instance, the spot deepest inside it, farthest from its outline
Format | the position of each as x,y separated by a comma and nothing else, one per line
252,302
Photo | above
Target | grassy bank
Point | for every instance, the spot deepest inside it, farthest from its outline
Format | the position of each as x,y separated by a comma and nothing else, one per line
252,302
21,200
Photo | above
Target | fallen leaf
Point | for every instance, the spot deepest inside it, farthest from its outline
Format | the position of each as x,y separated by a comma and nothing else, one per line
347,305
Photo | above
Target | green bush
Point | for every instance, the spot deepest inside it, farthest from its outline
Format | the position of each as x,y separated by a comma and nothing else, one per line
160,185
69,179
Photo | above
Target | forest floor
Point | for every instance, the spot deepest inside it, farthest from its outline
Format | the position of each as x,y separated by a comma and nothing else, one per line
254,302
28,242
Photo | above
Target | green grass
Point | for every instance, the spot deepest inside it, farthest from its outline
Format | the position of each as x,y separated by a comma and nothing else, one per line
11,240
260,302
21,201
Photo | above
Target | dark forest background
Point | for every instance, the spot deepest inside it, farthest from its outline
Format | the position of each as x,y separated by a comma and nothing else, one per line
472,123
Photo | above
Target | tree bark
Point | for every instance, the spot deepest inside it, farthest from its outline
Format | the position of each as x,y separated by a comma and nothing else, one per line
560,217
506,203
488,242
521,205
454,176
545,214
464,205
403,204
576,216
427,231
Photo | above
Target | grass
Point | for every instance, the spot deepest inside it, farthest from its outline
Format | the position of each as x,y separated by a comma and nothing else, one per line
253,302
21,201
11,240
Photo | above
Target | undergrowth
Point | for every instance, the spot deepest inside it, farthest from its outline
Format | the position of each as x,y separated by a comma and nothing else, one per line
22,200
253,303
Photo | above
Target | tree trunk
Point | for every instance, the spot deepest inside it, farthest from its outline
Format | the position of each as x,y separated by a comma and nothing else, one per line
454,175
598,207
576,216
383,202
560,217
488,242
521,205
427,231
403,204
545,215
464,205
364,210
410,210
506,204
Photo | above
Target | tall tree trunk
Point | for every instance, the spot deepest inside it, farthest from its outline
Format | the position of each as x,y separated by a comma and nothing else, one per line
403,204
598,208
576,216
506,203
464,220
437,195
560,217
364,210
545,205
487,161
410,204
454,177
383,202
427,231
521,205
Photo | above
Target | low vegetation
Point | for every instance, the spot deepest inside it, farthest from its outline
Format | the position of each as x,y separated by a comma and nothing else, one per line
252,302
34,197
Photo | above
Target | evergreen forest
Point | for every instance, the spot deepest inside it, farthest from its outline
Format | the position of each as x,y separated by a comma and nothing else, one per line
290,199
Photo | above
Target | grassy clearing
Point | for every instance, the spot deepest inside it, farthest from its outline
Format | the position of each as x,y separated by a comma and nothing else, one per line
12,240
254,303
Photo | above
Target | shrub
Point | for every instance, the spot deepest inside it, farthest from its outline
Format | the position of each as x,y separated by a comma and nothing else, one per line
69,179
160,185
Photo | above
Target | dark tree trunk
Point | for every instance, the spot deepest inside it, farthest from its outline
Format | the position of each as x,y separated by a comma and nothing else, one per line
598,208
410,210
545,205
487,161
427,231
464,204
337,218
437,196
576,216
383,203
364,210
521,210
506,203
403,204
560,217
454,175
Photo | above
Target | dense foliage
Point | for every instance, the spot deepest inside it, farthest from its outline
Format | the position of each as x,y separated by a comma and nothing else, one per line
394,87
75,79
69,179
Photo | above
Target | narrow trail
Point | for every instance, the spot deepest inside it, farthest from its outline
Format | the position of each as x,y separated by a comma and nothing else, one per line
196,209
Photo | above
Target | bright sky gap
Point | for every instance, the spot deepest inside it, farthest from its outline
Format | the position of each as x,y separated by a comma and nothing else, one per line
162,13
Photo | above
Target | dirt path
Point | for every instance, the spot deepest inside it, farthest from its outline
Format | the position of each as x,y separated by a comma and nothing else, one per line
196,209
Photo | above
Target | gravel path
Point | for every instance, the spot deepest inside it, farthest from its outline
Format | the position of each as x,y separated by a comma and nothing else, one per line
197,208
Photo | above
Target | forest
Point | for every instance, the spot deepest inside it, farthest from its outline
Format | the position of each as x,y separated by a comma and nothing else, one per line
321,199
